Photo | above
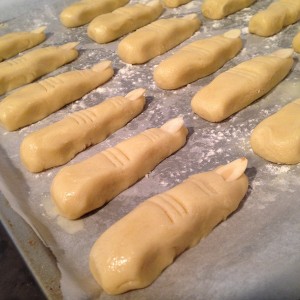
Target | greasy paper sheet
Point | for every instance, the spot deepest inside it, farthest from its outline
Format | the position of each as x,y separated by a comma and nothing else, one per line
254,254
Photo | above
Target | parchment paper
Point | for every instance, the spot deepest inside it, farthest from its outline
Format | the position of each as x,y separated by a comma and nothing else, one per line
253,255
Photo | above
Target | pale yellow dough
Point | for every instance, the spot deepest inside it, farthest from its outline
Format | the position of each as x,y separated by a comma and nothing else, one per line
84,11
38,100
219,9
296,43
175,3
238,87
58,143
109,27
157,38
134,251
13,43
277,138
34,64
278,15
197,60
83,187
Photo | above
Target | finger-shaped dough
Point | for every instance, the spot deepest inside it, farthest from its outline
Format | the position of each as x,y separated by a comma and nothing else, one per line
157,38
197,60
34,64
278,15
13,43
84,11
277,138
58,143
83,187
238,87
109,27
175,3
38,100
219,9
296,43
135,250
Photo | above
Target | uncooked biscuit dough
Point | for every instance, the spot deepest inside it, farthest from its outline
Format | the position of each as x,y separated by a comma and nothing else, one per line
296,43
109,27
34,64
157,38
197,60
134,251
84,11
175,3
278,15
238,87
219,9
38,100
13,43
85,186
58,143
277,138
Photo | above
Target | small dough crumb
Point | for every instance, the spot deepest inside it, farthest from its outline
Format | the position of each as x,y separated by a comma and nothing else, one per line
277,138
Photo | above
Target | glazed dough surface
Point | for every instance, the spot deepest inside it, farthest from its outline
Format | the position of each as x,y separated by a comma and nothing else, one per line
78,131
84,11
157,38
38,100
109,27
34,64
278,15
277,138
13,43
238,87
135,250
219,9
197,60
83,187
296,43
175,3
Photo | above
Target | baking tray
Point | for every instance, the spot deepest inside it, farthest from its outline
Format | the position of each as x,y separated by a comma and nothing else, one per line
254,254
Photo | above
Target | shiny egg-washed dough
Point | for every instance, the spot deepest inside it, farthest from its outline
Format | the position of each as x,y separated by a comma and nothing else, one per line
13,43
109,27
34,64
238,87
84,11
197,60
219,9
38,100
278,15
133,252
296,42
58,143
157,38
175,3
80,188
277,138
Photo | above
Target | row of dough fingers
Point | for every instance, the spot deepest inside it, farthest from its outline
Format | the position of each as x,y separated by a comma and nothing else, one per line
111,19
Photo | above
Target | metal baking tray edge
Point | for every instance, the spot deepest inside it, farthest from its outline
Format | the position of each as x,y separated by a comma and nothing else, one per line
39,259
